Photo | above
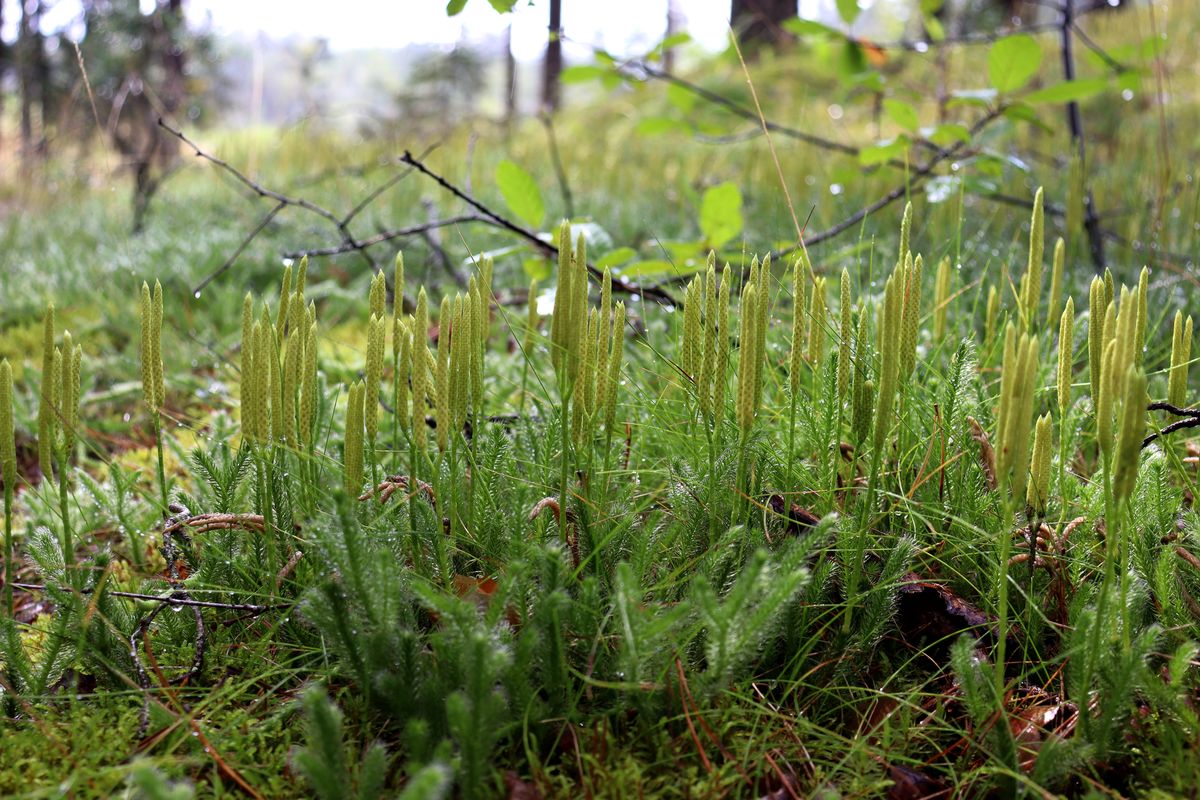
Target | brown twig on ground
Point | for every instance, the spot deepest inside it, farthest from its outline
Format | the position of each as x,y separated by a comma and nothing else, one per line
394,483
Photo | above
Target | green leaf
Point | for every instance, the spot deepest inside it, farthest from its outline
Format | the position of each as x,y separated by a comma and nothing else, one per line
683,99
1026,113
982,98
652,267
651,126
1012,61
933,26
947,133
721,213
1067,91
884,151
503,6
521,193
848,10
582,73
615,257
808,27
536,268
455,7
901,113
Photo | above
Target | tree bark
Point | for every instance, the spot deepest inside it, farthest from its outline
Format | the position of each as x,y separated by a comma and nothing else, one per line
760,22
510,80
672,28
27,41
551,89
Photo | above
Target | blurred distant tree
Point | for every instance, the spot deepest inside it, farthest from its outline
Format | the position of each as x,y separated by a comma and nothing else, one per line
310,55
443,88
759,22
31,70
143,65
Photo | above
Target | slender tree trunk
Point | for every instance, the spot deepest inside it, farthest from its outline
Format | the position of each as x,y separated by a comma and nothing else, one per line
1091,221
551,89
26,41
510,80
672,28
760,22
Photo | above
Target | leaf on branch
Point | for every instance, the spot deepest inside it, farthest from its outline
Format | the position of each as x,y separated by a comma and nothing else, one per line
1013,61
455,7
901,113
521,193
1067,91
882,152
721,214
848,10
582,73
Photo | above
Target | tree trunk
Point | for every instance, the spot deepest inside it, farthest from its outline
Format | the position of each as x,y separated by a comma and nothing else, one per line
26,76
551,90
510,80
760,22
672,28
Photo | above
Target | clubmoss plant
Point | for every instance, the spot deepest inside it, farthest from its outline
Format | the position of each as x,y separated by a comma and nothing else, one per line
845,361
1097,307
1181,354
1056,278
1031,283
1066,336
8,474
941,303
372,381
352,450
152,372
991,315
47,418
377,296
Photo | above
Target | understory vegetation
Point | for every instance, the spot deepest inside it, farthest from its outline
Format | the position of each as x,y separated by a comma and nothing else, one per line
604,514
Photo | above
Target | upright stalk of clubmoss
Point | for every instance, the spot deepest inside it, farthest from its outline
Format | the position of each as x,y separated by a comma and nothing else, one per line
8,474
1056,279
796,362
398,418
1181,354
991,315
862,388
352,448
420,374
941,301
285,298
152,372
1066,343
306,434
527,343
688,356
377,296
68,417
818,320
1097,306
1139,331
1012,465
441,376
845,363
373,380
47,417
748,391
420,387
708,346
910,316
1031,284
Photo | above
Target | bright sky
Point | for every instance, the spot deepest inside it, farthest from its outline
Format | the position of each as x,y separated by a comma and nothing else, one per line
620,26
